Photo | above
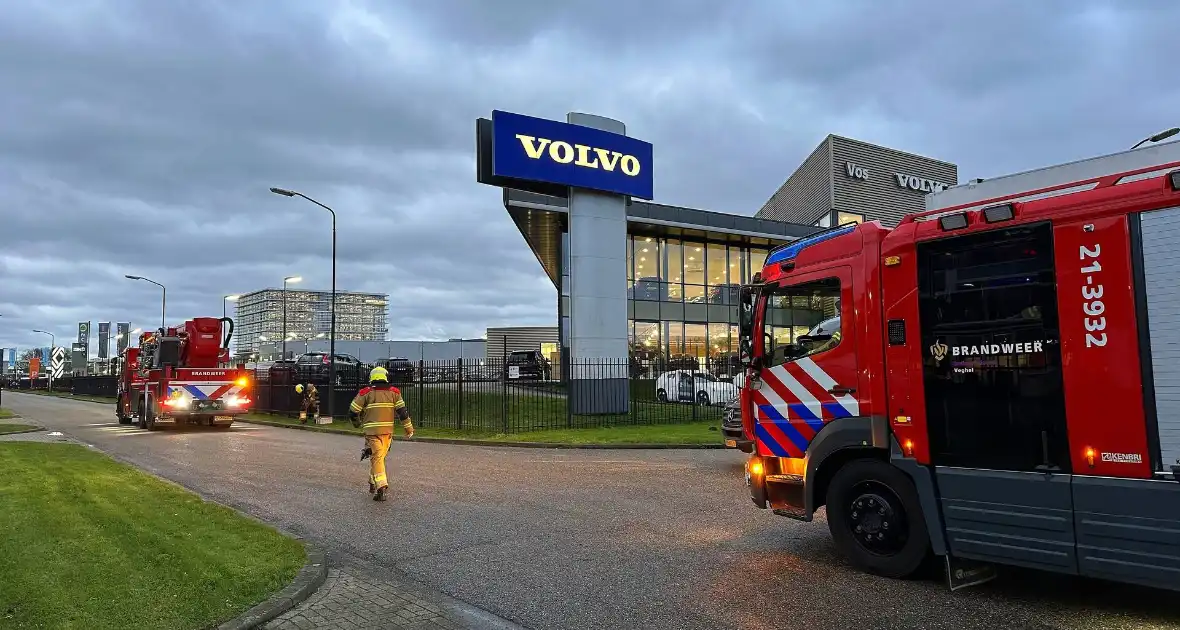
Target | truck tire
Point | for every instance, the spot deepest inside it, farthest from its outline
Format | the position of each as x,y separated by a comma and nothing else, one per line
120,407
876,520
147,414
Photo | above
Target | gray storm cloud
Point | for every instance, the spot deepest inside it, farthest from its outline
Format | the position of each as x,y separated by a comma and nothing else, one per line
141,136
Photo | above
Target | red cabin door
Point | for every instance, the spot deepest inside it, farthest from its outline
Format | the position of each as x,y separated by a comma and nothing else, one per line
809,370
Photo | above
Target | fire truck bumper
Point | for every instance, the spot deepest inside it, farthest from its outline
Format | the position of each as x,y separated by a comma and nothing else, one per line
778,484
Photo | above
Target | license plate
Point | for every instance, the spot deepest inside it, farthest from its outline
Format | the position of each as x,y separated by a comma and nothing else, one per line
223,418
731,442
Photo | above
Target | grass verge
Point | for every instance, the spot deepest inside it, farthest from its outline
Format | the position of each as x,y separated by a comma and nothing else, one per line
42,392
4,413
87,542
693,433
12,427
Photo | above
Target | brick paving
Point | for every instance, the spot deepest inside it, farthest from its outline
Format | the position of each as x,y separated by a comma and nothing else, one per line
360,597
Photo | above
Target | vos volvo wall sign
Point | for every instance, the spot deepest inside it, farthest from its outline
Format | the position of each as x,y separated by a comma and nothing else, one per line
556,154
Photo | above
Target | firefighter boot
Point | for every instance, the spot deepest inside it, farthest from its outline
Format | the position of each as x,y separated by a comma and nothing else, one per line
380,496
303,417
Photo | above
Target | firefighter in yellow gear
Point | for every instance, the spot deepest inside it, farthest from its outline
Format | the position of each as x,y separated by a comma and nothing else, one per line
310,402
375,409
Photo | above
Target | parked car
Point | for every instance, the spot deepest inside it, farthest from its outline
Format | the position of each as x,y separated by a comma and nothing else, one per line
690,386
527,365
401,370
317,366
731,428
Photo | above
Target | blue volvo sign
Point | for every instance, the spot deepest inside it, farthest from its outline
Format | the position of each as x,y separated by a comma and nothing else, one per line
556,153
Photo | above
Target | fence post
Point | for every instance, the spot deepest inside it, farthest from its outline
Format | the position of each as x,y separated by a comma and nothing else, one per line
421,397
459,380
504,399
695,373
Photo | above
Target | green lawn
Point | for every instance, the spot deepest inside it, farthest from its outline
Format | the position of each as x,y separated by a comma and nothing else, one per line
10,427
489,408
4,413
86,542
685,433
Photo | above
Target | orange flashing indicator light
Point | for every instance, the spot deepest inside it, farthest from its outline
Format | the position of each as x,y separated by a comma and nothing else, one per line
892,261
1090,456
909,448
756,468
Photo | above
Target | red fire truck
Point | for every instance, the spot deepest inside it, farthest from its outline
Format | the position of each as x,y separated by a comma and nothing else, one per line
181,376
1002,386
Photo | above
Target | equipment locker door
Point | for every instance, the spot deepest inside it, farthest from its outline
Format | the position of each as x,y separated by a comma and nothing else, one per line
1159,235
994,396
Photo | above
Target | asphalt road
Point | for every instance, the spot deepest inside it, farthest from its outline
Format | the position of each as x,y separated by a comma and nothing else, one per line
583,539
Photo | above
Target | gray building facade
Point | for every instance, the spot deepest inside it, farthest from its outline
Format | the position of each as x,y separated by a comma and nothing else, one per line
503,341
846,180
373,351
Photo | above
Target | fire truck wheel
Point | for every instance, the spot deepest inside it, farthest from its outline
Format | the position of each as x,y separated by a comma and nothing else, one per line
120,413
876,520
147,415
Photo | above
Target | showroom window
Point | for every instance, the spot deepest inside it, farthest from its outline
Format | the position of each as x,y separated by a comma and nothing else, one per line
757,261
694,272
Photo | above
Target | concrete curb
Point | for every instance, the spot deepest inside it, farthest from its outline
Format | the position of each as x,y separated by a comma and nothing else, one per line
31,429
464,442
309,578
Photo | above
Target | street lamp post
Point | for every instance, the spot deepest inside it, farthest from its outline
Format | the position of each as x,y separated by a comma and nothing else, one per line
332,338
224,299
1163,135
163,295
291,279
52,345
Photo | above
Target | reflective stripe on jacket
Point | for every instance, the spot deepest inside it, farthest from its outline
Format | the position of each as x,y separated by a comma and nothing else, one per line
377,408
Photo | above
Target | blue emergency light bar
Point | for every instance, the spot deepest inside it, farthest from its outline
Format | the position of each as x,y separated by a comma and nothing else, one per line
791,250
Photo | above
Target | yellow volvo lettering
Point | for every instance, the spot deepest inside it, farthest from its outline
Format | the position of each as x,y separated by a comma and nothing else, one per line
531,149
584,156
561,152
579,154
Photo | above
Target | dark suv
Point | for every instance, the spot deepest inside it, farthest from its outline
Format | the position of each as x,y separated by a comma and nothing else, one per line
316,366
527,365
731,427
401,371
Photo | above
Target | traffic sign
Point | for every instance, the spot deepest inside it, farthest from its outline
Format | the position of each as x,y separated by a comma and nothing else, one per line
57,366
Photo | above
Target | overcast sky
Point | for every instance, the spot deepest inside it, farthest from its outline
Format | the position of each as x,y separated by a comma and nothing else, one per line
141,136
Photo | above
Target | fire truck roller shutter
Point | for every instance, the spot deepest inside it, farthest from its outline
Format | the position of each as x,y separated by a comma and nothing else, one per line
1161,264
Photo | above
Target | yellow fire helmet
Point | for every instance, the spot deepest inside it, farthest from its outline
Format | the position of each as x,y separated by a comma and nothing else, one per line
299,389
379,374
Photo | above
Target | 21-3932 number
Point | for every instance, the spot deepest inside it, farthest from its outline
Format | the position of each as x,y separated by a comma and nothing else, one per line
1093,306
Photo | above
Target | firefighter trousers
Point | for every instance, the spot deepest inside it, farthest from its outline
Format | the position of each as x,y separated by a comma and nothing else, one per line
309,408
380,447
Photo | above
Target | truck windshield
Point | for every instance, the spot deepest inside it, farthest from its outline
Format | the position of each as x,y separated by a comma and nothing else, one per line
791,328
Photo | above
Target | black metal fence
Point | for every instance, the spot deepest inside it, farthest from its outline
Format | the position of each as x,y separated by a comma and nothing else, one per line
471,395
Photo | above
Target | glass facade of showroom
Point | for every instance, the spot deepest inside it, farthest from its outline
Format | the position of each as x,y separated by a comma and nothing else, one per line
684,269
682,298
